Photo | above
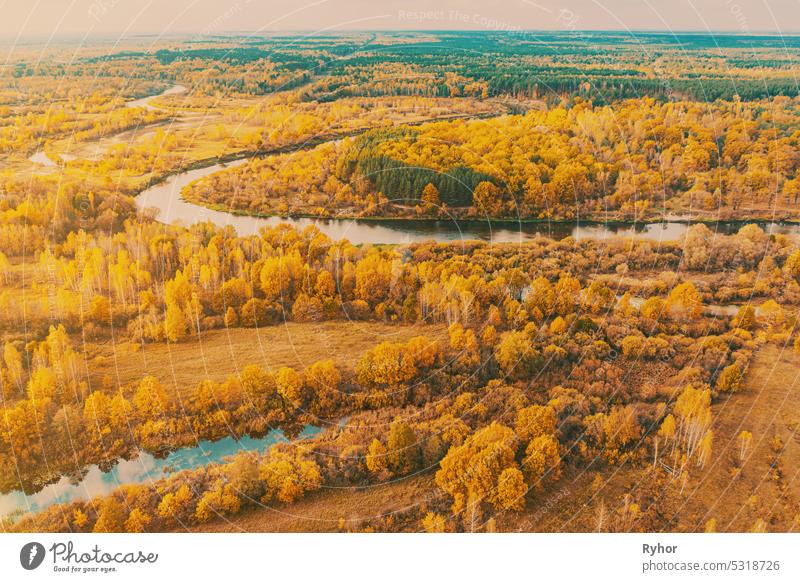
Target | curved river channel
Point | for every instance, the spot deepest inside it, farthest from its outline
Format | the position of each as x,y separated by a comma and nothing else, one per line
165,197
144,468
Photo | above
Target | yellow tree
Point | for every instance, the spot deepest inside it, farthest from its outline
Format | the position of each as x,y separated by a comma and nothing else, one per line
120,413
542,460
772,316
433,523
654,308
792,265
279,276
175,325
667,429
430,198
259,386
374,276
176,505
290,386
403,452
5,267
243,475
517,356
598,298
151,400
13,361
540,297
234,293
488,199
288,477
567,292
137,521
100,310
387,364
218,502
684,302
323,379
325,285
511,490
80,518
110,517
42,384
693,411
231,319
745,318
534,421
377,460
470,473
730,380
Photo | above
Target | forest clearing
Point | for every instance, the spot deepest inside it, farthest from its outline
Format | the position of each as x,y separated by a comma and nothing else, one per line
452,282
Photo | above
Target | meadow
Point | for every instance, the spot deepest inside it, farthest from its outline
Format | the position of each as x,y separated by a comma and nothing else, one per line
571,383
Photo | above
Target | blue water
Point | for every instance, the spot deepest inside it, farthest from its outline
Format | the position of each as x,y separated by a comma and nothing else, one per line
144,468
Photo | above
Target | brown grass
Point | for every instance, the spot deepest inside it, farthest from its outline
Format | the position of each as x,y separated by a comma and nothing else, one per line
217,354
323,510
768,406
767,487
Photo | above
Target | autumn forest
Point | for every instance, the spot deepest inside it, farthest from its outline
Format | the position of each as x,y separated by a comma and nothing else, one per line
625,360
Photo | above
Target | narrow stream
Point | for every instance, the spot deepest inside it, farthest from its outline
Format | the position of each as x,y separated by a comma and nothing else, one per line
165,197
145,468
43,159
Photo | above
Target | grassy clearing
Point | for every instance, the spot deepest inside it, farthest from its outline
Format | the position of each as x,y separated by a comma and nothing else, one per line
219,353
768,486
322,510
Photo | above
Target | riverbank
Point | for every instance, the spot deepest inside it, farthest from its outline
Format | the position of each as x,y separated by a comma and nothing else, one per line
166,197
593,220
166,193
100,480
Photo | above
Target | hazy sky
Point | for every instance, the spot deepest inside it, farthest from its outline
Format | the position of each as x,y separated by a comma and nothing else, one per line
43,18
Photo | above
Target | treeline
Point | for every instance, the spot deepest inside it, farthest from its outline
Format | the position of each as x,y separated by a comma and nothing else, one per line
496,417
514,315
559,163
607,88
168,284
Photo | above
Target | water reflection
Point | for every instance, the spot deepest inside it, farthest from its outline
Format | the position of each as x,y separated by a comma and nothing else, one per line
145,101
43,159
145,468
166,199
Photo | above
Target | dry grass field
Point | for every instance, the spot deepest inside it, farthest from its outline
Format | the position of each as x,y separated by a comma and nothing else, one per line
217,354
331,510
768,486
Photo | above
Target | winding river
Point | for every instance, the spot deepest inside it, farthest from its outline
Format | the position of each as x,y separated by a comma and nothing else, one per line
145,101
43,159
166,198
144,468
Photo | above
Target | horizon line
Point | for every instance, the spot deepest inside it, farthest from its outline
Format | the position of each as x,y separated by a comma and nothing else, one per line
510,31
